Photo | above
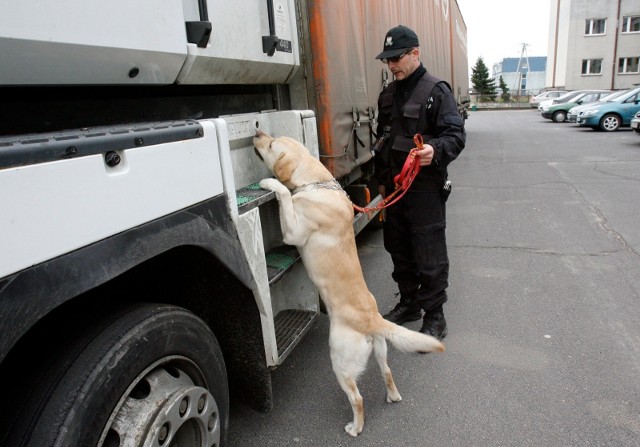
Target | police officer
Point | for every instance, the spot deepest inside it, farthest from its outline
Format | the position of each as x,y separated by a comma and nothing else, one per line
414,228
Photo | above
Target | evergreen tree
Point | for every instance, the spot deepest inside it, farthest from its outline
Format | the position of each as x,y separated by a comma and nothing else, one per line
505,90
481,81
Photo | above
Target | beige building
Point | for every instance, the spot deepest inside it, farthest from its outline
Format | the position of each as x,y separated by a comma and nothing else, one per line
594,44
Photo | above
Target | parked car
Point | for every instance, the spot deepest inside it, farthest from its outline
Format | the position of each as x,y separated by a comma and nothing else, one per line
635,122
568,96
558,112
611,115
551,94
573,112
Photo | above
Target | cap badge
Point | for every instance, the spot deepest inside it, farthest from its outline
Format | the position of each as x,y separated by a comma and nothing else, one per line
389,41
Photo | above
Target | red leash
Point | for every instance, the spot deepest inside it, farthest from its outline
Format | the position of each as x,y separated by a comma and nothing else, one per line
402,181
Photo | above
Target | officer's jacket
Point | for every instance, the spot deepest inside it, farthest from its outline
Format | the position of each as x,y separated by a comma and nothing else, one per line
431,110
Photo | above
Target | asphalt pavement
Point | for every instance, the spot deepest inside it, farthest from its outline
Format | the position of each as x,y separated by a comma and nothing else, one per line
544,308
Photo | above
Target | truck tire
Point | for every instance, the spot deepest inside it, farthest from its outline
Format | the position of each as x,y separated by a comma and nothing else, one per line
149,374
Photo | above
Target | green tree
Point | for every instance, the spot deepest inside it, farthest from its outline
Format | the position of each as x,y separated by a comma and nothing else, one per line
481,81
505,90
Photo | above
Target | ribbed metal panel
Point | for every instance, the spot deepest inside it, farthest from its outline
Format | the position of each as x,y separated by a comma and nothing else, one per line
291,325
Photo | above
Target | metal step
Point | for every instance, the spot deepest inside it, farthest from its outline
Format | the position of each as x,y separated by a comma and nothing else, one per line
251,197
279,261
291,325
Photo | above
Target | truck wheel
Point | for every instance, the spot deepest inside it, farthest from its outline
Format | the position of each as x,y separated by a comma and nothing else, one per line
560,116
150,374
610,122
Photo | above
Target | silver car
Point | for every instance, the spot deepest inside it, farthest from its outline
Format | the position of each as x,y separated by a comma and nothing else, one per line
635,122
535,101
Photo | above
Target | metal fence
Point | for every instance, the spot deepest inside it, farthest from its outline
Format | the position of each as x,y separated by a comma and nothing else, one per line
521,96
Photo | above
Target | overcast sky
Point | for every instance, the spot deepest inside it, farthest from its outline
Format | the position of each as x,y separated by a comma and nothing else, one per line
496,29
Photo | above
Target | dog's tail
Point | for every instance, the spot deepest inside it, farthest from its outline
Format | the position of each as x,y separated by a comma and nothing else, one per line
407,340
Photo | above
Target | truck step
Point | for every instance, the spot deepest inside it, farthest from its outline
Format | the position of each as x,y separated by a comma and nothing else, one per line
252,196
291,325
279,261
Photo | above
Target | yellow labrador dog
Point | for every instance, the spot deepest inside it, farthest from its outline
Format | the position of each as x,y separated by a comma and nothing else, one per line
317,217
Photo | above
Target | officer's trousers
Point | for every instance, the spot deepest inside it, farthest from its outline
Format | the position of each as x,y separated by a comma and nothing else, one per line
414,236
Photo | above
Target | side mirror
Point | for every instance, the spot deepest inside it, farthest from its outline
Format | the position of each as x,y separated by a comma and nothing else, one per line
579,101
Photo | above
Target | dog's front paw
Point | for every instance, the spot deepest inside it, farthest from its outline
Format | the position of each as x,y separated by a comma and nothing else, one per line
352,429
394,397
271,184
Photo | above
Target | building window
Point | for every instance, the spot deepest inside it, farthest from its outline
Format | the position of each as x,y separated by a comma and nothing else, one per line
628,65
595,27
591,66
631,24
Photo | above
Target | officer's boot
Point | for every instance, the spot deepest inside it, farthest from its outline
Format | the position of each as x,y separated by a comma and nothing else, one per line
407,309
434,324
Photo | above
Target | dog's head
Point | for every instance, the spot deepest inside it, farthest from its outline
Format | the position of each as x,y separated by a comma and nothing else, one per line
289,160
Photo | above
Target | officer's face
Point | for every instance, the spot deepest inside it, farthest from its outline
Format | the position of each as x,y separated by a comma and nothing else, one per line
405,65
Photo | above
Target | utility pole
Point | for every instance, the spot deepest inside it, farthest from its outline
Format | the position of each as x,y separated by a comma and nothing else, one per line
523,66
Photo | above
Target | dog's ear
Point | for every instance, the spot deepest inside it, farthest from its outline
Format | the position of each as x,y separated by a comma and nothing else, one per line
284,166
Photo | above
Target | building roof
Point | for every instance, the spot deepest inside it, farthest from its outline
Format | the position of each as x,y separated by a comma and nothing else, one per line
536,63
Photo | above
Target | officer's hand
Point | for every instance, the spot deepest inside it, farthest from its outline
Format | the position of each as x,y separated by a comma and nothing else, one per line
426,154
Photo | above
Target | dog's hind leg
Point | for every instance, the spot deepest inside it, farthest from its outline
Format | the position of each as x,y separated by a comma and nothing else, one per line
349,386
380,352
349,354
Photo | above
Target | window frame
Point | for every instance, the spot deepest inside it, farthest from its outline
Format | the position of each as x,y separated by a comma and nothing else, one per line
589,63
627,20
625,65
590,24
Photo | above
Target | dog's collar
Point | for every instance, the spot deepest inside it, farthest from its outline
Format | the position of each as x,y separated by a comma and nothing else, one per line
330,184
